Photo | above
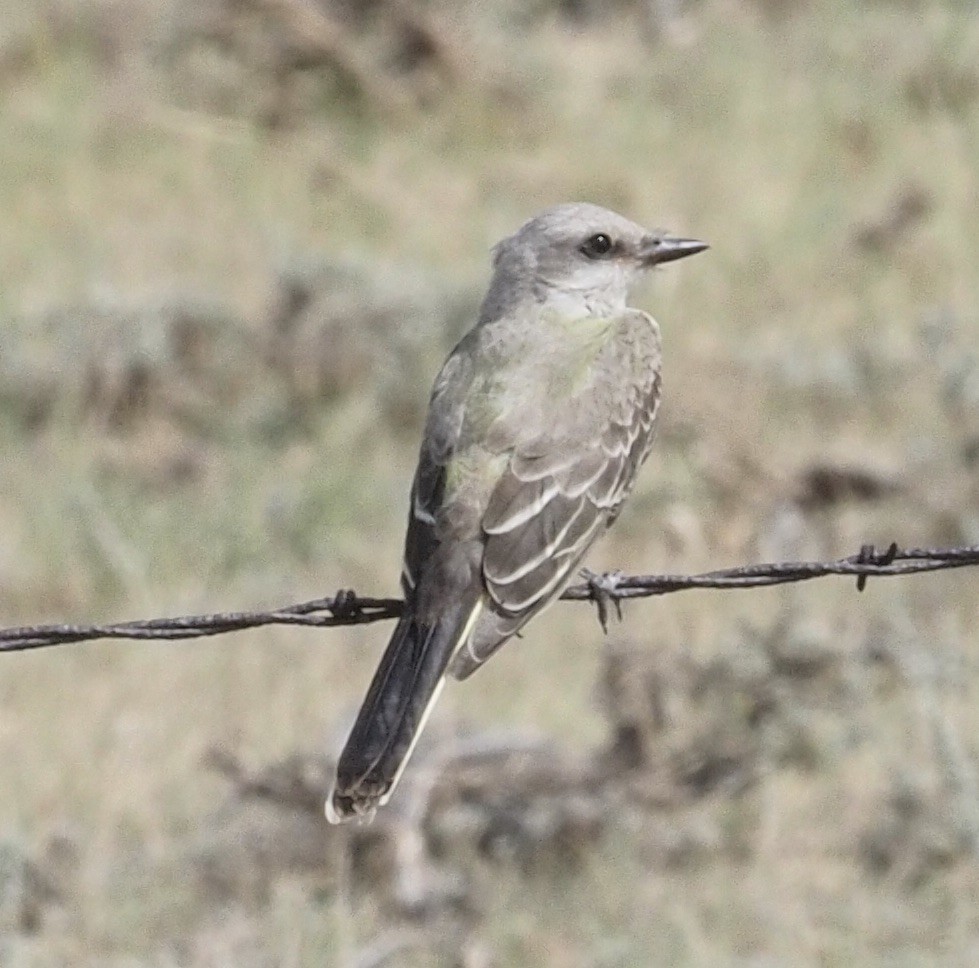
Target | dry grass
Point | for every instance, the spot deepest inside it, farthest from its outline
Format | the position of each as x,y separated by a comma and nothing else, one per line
171,444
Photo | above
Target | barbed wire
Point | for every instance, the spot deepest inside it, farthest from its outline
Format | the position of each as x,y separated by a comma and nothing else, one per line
610,588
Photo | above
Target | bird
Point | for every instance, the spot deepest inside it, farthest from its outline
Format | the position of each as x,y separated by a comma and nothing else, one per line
537,425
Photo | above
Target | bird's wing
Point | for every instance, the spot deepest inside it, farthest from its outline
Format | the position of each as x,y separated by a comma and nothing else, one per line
420,539
443,427
553,500
559,492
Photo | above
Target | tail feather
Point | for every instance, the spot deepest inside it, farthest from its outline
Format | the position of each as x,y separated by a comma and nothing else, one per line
401,695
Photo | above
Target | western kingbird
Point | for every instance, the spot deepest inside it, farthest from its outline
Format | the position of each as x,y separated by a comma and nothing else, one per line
537,424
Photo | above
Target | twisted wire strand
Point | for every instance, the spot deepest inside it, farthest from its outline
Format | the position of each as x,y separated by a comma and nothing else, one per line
348,608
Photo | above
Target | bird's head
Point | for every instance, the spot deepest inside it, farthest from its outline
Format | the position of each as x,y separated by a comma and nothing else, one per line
584,255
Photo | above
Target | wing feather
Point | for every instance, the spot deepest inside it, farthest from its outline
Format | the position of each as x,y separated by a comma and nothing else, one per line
446,412
542,460
515,502
530,546
421,539
533,589
550,505
523,563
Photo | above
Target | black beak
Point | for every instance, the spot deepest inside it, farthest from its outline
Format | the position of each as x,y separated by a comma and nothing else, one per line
665,248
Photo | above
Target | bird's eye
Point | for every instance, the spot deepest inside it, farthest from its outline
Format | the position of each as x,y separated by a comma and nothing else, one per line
597,246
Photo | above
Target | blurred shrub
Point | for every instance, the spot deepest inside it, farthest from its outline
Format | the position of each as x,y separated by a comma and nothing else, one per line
332,329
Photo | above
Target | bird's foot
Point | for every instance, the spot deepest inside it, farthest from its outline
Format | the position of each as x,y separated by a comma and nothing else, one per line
604,592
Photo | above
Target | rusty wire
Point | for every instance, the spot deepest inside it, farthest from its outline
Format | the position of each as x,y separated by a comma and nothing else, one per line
348,608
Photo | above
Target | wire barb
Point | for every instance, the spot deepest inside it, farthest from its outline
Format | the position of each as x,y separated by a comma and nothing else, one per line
869,556
345,605
347,608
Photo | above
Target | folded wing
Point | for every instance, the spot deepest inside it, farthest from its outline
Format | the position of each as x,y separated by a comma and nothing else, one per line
554,499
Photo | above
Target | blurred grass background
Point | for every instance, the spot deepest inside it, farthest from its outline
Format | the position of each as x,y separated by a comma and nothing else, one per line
238,238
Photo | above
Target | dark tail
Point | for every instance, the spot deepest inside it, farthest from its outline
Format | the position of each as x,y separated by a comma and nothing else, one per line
401,694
